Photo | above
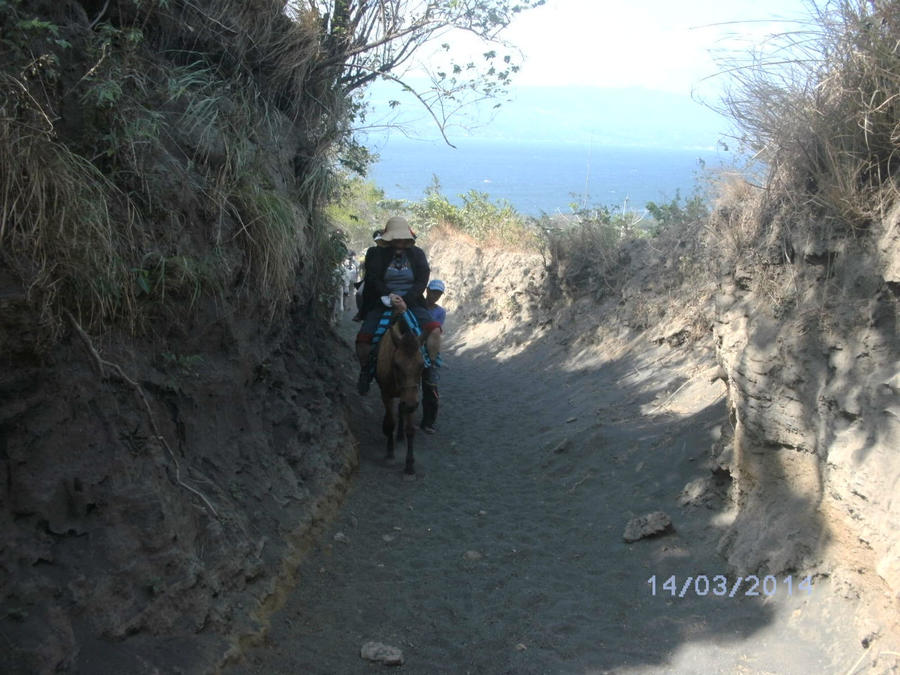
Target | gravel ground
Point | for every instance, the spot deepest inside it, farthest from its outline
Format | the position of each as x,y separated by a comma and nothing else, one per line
506,554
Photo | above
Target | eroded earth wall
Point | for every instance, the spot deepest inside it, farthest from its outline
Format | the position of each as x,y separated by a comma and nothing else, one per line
152,509
809,339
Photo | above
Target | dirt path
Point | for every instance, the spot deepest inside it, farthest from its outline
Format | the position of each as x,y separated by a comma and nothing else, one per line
506,555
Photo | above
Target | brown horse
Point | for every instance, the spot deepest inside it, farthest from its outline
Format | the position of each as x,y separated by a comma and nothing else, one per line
398,371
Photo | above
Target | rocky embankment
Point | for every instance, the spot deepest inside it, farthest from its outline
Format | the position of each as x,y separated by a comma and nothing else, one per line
809,341
808,345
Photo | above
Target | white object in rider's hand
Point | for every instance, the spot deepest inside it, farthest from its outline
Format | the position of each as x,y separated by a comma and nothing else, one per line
386,300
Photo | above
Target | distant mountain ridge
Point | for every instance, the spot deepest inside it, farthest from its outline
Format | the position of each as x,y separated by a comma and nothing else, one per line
619,117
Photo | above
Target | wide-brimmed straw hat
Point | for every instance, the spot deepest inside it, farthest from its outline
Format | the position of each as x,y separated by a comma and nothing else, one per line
397,228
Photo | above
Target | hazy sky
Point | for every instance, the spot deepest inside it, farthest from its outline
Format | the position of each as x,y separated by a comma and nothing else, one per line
588,46
655,44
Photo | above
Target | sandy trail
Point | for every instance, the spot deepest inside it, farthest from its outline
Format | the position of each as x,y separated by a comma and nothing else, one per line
506,554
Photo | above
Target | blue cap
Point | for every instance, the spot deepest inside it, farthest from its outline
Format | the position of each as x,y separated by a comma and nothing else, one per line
436,285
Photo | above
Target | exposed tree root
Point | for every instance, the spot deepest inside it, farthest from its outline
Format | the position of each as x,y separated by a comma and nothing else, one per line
101,366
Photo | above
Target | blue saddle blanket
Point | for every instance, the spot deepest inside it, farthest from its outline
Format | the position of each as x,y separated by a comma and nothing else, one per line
383,324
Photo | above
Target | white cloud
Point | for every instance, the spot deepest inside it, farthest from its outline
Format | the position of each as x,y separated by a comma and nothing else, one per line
655,44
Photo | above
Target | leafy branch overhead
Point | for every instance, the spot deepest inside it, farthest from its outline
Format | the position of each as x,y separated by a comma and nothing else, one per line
364,41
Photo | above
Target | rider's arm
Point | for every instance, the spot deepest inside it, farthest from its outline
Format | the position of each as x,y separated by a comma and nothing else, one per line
375,268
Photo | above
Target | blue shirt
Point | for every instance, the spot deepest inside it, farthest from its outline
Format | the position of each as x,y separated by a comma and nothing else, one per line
399,276
437,313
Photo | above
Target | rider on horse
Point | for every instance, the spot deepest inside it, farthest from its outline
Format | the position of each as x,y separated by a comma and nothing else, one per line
396,276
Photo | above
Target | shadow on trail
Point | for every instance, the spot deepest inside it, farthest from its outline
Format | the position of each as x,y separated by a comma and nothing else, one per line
506,554
596,465
594,601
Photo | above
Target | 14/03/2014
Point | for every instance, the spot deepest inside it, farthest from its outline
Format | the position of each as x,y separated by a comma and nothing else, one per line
721,586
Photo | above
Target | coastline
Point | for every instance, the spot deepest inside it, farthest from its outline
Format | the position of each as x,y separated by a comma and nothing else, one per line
541,177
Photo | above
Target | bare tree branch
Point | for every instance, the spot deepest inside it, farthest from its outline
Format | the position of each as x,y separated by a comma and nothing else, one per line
366,39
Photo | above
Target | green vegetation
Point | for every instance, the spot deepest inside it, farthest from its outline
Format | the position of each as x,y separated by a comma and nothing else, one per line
187,151
478,217
583,249
362,208
185,364
358,209
678,213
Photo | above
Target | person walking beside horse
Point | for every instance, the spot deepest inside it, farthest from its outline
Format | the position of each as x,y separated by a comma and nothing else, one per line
351,276
430,396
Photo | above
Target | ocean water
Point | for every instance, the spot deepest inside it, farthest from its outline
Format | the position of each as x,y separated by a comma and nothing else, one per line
538,177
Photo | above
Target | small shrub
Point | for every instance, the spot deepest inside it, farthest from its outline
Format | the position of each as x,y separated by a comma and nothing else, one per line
677,213
479,217
585,247
434,210
733,225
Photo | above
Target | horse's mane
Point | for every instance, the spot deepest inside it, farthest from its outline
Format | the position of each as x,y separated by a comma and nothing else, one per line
409,343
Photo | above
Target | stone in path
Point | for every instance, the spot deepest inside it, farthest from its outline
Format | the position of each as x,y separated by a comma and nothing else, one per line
649,525
380,652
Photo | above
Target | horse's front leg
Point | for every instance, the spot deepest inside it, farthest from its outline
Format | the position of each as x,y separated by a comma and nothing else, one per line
387,426
407,423
401,426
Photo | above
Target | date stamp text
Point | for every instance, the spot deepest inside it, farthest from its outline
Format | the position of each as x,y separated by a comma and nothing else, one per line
719,585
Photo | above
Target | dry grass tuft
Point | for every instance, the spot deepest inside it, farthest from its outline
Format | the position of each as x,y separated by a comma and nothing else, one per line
64,229
823,112
273,228
734,222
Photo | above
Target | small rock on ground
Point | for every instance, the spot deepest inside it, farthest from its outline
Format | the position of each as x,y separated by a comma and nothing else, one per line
380,652
696,493
649,525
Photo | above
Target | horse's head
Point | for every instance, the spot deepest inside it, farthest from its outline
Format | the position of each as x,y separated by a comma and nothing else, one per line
406,365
